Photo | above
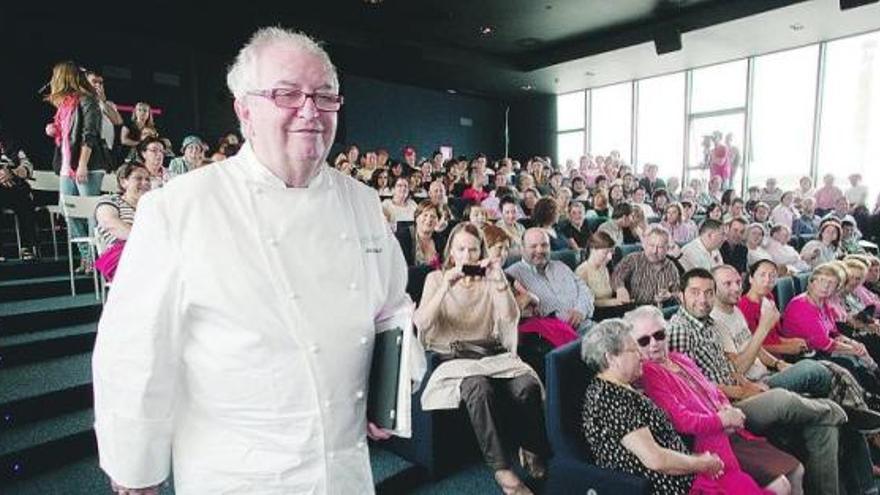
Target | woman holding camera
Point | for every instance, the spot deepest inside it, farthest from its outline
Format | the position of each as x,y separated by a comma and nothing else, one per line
469,315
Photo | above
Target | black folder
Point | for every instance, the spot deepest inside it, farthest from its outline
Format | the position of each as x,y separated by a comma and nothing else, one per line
385,378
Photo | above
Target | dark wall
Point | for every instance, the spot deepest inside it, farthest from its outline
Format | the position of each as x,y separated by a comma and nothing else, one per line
532,122
382,114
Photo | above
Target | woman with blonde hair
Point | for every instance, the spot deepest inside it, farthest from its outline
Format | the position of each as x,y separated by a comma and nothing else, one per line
469,315
80,156
141,127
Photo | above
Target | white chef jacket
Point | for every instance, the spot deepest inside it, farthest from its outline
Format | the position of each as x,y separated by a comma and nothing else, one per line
238,334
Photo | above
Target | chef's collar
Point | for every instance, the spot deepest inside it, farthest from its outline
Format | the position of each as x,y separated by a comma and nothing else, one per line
256,171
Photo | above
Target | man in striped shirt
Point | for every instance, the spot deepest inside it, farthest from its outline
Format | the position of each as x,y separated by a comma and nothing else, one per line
649,276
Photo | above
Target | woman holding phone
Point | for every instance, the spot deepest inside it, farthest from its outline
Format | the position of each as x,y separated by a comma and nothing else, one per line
468,314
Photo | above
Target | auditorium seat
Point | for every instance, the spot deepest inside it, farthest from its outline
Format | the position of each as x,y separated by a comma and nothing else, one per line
570,257
800,282
571,470
415,282
784,291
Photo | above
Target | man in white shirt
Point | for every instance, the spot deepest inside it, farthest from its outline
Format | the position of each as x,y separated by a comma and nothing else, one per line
857,194
703,252
222,346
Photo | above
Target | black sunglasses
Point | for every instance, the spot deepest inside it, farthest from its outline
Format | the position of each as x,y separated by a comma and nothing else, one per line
659,336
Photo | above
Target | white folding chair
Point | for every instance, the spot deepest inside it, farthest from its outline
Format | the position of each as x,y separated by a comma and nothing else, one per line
81,207
109,184
44,180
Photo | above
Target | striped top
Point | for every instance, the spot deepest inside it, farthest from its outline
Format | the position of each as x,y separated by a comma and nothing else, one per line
126,214
643,279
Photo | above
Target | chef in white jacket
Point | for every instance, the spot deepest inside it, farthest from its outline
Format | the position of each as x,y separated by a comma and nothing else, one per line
237,337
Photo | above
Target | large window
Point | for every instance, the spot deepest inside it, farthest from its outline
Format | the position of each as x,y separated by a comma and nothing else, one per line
570,119
719,87
569,147
782,116
849,139
660,135
611,120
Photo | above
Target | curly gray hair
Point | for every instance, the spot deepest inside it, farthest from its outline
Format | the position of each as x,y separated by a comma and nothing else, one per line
608,337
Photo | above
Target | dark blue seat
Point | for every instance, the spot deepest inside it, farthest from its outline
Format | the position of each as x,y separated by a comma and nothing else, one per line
571,470
415,282
803,239
457,205
593,223
668,311
800,282
784,291
621,251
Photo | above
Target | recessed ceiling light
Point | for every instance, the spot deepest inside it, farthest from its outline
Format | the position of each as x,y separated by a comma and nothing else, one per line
796,26
373,2
526,87
486,30
451,91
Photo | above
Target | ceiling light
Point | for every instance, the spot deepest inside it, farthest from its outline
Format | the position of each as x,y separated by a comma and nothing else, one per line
486,30
796,26
373,2
526,87
451,91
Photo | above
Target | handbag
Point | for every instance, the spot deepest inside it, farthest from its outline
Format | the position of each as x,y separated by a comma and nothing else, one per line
476,349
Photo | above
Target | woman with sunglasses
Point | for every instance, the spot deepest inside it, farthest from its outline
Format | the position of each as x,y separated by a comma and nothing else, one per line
700,410
624,431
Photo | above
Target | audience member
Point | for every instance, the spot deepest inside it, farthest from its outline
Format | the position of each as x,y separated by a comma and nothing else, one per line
680,231
647,277
575,228
807,223
734,251
400,207
784,213
827,195
15,194
545,217
703,252
193,149
561,294
472,319
857,193
782,253
420,242
141,127
115,215
699,410
621,218
825,247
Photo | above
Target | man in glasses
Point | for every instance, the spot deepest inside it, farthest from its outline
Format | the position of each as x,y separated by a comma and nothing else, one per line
238,335
817,425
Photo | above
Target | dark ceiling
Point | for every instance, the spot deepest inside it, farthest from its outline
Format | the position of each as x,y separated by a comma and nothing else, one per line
438,43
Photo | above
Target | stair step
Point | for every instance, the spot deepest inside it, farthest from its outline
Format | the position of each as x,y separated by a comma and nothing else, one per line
33,409
40,346
46,313
47,456
30,435
42,287
16,269
34,380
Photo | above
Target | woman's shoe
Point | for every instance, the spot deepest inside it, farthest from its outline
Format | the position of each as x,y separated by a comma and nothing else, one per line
533,464
510,483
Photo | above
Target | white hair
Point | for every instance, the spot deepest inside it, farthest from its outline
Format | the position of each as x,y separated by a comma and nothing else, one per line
643,313
242,74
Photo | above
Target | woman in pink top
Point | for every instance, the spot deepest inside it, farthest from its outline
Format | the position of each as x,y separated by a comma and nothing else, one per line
827,195
698,408
811,316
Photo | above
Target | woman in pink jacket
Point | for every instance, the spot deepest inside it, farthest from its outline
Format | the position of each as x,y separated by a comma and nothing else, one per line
697,408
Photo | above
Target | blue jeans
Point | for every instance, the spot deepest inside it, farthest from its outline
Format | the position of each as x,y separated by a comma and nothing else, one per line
805,377
92,187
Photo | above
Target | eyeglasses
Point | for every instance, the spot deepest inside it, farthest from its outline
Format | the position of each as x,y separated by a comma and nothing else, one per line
154,150
294,98
658,336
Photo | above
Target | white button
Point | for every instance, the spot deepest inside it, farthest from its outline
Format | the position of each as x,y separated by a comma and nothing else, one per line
361,444
314,349
292,296
359,394
331,454
352,286
364,340
326,404
343,236
258,190
272,242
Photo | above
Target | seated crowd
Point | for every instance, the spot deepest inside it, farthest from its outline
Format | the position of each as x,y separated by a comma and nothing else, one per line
736,392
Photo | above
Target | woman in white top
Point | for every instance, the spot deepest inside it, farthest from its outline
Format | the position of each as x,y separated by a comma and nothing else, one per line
755,242
784,213
825,247
400,207
782,253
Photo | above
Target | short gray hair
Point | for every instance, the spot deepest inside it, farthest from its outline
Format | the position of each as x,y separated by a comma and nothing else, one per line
657,230
607,337
242,74
642,313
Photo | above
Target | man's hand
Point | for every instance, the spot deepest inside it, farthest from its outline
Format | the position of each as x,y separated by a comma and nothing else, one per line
574,318
121,490
21,171
375,432
5,178
769,317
